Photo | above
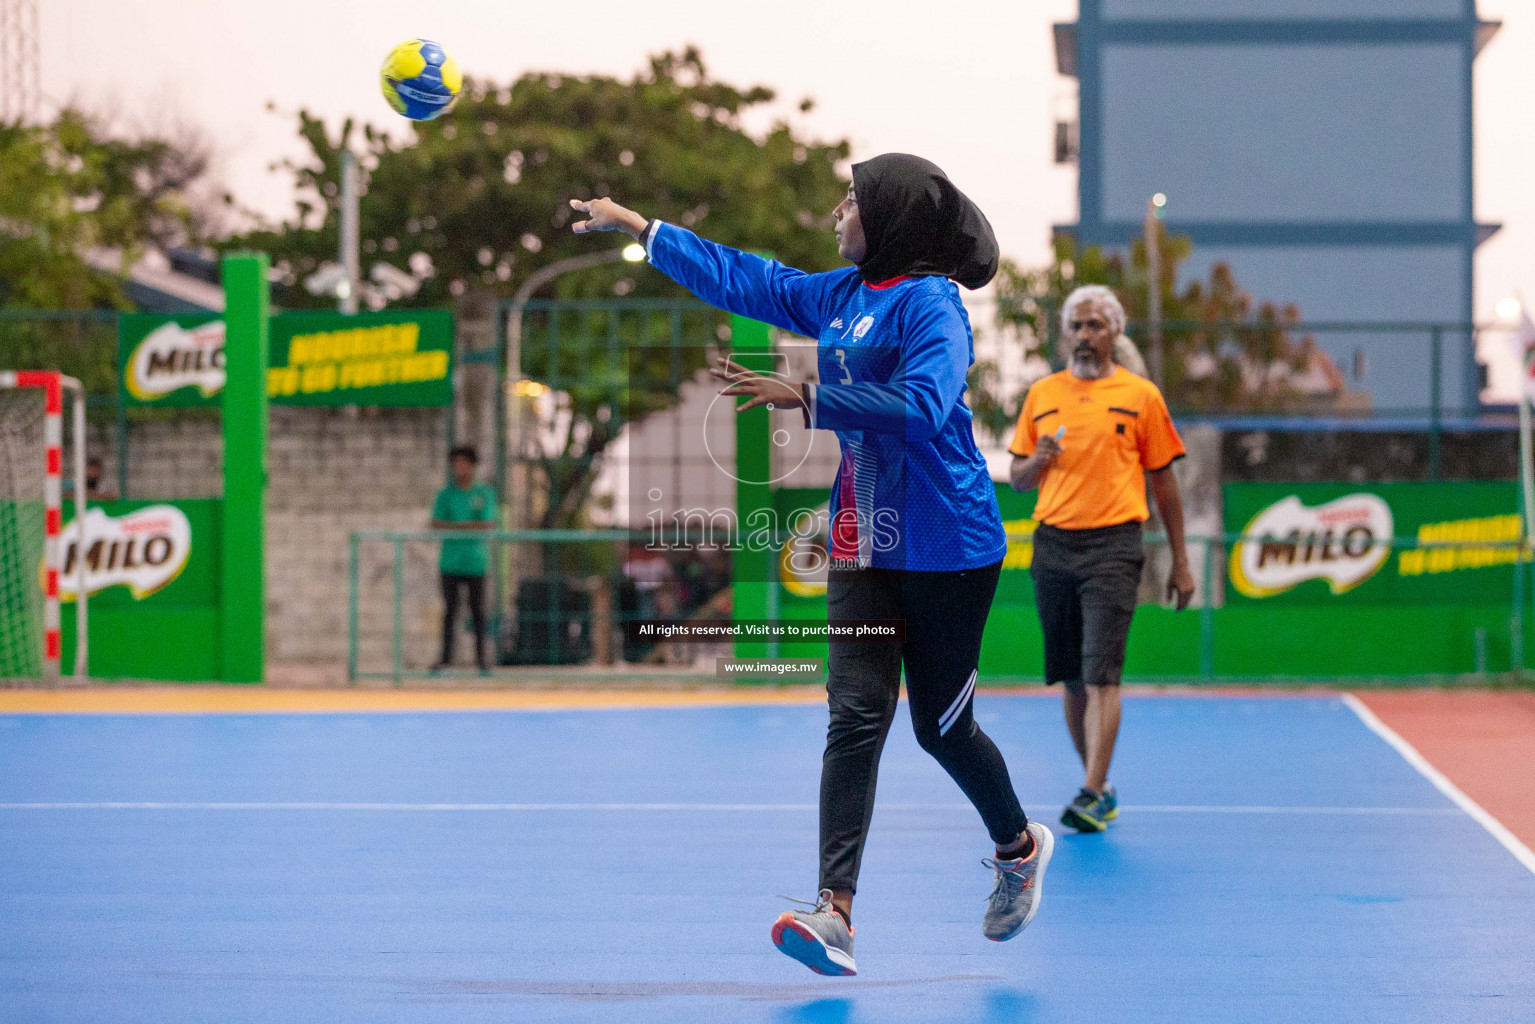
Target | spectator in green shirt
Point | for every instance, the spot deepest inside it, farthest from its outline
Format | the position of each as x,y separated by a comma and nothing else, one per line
466,504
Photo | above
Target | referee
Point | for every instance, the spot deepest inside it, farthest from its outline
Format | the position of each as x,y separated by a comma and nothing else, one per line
1087,437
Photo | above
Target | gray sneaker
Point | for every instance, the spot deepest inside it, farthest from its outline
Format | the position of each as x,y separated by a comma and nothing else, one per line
1015,898
820,939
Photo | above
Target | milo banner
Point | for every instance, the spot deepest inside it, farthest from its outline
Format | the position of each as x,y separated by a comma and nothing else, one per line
152,573
393,359
143,550
1330,542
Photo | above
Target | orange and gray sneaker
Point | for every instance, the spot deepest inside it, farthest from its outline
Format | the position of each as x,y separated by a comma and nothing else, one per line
1019,887
820,938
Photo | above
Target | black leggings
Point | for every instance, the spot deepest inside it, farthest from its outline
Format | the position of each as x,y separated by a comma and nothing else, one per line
475,585
945,615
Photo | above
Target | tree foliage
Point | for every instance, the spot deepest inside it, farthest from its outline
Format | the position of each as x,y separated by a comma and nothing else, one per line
1222,351
75,197
477,201
477,198
71,187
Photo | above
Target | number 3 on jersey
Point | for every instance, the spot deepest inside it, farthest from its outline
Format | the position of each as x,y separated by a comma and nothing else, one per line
847,377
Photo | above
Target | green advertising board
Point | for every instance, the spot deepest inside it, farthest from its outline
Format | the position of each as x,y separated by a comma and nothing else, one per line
153,580
392,359
1325,602
1323,543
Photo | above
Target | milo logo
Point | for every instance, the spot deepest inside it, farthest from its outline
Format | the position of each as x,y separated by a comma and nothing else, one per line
1343,542
172,357
144,550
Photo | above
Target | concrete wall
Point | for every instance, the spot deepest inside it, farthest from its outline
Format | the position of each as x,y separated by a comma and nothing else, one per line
331,471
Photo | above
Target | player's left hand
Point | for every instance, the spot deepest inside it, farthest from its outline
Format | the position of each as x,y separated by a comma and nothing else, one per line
764,390
1180,585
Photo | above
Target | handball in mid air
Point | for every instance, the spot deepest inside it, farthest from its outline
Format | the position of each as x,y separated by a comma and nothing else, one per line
420,80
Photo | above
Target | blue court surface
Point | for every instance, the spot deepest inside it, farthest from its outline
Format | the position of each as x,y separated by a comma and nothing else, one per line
1275,861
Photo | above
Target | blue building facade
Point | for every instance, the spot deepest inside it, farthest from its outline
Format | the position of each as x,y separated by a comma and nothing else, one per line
1322,148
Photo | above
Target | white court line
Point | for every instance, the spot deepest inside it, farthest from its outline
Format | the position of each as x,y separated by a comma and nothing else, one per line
1410,754
148,805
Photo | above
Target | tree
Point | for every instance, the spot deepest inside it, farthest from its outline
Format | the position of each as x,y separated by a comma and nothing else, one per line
477,200
69,189
1220,352
477,197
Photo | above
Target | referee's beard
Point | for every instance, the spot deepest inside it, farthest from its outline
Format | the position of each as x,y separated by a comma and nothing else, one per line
1085,364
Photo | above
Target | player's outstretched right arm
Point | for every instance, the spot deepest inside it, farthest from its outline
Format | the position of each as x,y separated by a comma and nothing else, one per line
733,280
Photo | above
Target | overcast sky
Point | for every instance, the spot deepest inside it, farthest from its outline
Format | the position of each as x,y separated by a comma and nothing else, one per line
969,83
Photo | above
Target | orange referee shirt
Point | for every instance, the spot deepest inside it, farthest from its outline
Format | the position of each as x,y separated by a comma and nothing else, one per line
1117,427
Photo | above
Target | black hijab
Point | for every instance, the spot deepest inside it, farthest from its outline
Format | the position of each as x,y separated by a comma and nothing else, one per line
916,222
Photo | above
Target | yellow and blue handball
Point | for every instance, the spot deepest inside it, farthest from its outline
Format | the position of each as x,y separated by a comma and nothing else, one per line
420,80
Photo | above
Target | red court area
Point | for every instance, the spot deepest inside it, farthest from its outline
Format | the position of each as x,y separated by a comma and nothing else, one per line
1483,741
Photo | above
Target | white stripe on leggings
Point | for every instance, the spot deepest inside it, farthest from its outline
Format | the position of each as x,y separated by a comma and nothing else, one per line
952,715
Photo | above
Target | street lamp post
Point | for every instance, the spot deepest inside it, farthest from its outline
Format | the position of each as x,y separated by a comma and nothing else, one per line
518,481
1154,209
350,221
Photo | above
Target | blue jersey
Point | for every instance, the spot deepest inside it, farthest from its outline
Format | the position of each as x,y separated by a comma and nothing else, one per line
912,489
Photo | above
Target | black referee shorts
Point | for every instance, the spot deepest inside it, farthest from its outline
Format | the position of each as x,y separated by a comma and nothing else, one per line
1085,583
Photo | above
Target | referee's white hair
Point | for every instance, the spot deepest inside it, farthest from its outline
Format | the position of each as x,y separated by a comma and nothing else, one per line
1094,293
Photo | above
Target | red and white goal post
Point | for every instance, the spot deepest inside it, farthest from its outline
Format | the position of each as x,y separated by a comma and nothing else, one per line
50,456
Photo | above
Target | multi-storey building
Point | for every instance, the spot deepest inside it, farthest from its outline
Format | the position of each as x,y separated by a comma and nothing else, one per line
1322,148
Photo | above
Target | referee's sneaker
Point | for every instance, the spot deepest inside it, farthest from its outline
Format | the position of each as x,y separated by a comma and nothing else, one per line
1087,437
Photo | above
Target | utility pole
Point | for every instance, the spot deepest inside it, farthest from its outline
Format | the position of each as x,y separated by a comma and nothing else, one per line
20,92
1154,209
350,260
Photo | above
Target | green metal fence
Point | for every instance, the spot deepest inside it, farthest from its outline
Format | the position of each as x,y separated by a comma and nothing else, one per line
1199,638
585,350
393,601
614,362
1403,376
610,362
1396,375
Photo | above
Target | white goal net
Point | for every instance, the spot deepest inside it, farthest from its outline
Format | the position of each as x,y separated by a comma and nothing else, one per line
22,529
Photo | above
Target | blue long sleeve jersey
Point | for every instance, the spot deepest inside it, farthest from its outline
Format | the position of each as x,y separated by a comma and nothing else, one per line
912,489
